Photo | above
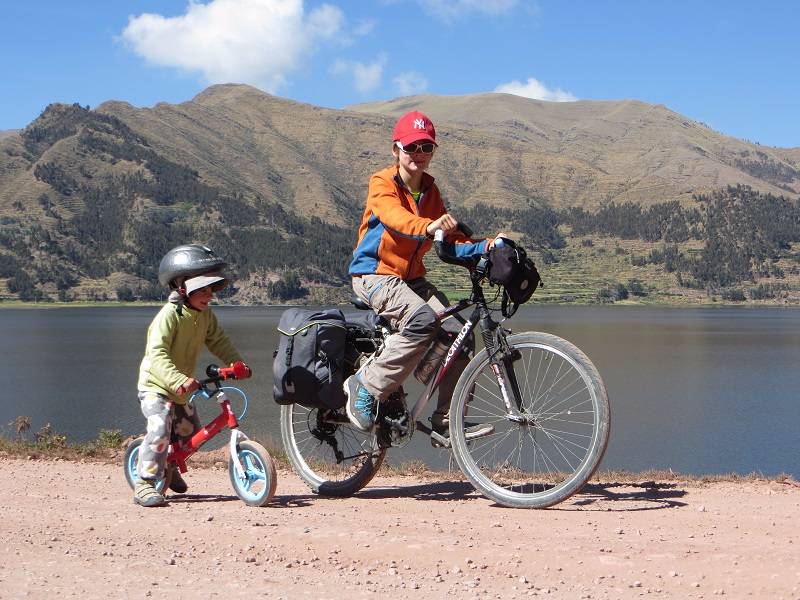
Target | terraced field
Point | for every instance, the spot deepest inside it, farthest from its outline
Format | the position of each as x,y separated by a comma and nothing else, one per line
580,274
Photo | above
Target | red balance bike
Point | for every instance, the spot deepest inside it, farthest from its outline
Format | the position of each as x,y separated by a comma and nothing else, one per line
250,466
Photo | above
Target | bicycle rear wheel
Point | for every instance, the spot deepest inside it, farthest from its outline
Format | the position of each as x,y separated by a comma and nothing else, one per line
330,455
130,463
552,449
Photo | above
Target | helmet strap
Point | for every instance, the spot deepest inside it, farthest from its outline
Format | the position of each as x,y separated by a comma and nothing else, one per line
178,298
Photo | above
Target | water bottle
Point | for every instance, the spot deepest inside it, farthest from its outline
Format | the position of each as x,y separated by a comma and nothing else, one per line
432,359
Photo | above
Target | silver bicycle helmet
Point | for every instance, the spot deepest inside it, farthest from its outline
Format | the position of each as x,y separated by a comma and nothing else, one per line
186,261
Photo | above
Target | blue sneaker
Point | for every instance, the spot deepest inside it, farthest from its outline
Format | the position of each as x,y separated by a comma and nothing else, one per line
360,404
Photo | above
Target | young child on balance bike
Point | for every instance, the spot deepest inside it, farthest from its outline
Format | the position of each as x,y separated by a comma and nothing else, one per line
175,339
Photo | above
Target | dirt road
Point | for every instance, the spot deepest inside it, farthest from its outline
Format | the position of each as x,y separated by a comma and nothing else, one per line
69,529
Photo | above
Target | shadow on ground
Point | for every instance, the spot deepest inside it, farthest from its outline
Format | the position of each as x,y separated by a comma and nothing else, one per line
594,496
195,498
627,496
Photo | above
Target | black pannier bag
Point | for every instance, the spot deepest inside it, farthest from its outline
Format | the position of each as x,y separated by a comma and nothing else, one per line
510,267
308,363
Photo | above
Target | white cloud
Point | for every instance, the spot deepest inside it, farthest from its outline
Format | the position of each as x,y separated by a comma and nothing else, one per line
364,27
366,77
410,83
535,89
453,9
258,42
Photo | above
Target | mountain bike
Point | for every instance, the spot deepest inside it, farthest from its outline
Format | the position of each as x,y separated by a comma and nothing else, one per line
543,402
250,467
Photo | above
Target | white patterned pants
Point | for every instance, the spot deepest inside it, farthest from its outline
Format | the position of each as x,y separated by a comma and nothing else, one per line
166,422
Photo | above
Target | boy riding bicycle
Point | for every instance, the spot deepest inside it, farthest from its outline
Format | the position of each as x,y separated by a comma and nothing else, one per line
175,338
403,211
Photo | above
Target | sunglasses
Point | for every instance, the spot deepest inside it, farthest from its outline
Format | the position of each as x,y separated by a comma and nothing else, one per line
425,148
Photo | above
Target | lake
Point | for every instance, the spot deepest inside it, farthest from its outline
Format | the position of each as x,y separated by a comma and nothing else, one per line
697,390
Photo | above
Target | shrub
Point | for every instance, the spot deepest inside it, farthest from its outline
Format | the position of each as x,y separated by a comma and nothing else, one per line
20,425
605,294
125,294
109,438
636,288
732,295
47,438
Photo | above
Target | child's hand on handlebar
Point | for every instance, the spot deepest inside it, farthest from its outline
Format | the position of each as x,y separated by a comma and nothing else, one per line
241,370
446,223
237,370
188,386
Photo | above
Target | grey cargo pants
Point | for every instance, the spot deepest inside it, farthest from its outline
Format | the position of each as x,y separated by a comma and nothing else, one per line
410,307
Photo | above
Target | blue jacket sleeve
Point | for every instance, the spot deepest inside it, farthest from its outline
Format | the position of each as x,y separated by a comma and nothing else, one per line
469,250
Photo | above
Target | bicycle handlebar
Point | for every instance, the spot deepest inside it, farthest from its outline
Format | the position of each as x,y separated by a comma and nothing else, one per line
467,231
446,251
237,370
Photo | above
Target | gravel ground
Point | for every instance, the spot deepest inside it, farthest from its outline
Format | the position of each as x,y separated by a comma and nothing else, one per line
70,529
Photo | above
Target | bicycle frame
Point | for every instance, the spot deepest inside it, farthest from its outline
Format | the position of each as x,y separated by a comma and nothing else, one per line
180,451
494,339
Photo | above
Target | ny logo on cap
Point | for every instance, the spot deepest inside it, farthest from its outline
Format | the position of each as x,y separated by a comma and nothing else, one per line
419,123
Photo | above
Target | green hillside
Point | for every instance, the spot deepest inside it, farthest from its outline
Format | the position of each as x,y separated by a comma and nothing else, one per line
91,199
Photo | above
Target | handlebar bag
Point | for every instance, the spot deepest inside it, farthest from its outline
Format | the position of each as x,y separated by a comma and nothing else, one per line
308,364
510,267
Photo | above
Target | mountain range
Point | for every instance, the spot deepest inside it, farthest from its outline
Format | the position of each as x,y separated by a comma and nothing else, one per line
89,198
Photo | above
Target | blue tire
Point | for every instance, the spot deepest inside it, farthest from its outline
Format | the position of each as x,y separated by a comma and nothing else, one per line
258,485
131,460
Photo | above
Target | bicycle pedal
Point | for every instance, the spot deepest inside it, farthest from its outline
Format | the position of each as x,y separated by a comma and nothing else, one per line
440,440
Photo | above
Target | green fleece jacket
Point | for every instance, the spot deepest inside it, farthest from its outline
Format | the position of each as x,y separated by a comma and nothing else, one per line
174,343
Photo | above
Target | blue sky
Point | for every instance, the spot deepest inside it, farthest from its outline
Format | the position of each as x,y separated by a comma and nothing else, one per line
732,65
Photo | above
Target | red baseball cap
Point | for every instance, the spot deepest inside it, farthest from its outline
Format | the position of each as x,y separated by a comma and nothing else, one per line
413,127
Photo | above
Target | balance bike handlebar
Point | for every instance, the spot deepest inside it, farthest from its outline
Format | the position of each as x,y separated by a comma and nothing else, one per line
238,370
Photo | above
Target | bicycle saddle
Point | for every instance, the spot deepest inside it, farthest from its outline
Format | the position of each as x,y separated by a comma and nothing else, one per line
359,303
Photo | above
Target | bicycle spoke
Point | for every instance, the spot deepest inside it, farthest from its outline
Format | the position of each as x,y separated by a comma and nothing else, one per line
552,407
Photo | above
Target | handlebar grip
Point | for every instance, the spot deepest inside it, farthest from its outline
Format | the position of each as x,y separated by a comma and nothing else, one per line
237,370
241,370
467,231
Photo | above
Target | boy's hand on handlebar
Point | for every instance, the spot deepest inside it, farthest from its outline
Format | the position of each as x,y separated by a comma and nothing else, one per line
188,386
446,223
237,370
241,370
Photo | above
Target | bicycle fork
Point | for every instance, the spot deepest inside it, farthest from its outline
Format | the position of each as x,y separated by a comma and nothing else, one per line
236,435
501,358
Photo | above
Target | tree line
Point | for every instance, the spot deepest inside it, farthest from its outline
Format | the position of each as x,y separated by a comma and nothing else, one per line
743,233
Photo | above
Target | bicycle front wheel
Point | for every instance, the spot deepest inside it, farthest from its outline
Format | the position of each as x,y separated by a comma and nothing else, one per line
256,487
330,455
548,448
